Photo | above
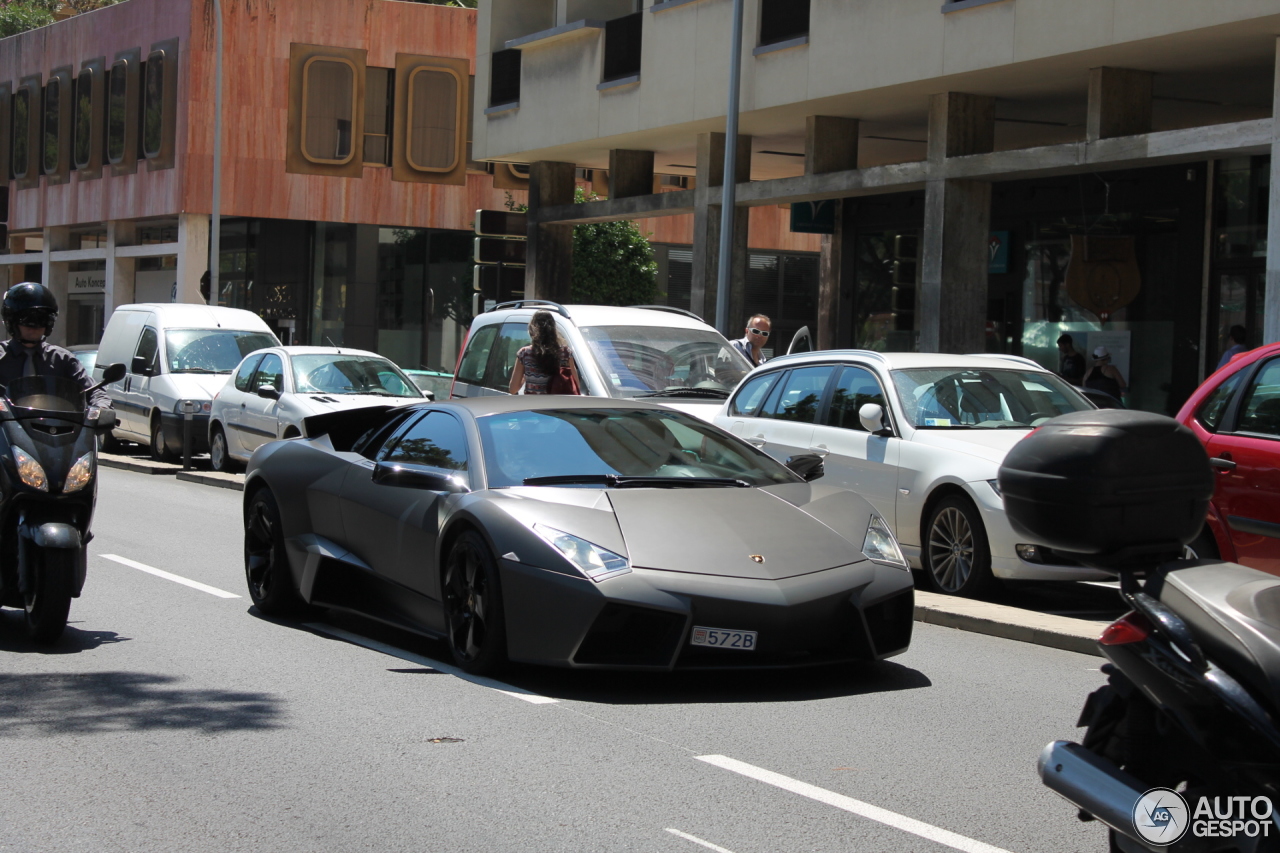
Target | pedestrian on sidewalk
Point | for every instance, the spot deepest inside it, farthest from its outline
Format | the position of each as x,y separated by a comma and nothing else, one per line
1106,377
1070,362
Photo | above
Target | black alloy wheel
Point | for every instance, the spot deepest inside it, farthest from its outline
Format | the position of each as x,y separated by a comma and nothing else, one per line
219,456
48,600
956,555
475,626
159,450
266,566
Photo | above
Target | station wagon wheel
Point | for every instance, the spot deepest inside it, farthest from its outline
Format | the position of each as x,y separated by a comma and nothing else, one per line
957,557
219,455
266,565
473,606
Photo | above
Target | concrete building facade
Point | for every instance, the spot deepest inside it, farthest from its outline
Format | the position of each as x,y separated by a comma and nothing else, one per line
997,171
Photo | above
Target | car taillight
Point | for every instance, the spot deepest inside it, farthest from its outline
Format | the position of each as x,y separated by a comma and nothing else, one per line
1130,628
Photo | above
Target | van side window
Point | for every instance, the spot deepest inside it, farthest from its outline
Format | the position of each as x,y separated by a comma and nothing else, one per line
476,358
512,338
148,347
245,373
748,401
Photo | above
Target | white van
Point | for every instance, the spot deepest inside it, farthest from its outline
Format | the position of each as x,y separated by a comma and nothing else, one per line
175,353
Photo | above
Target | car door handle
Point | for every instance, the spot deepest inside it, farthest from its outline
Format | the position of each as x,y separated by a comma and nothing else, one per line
1222,463
757,441
820,451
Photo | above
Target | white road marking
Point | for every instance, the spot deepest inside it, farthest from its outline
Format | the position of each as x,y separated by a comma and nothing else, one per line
888,818
374,645
161,573
696,840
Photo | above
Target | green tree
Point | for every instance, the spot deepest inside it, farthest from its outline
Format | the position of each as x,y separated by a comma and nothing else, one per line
18,16
612,263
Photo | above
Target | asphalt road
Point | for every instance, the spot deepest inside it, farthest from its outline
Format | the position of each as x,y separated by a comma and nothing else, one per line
173,718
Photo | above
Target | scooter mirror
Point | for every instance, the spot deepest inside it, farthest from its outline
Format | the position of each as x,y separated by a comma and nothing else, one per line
114,373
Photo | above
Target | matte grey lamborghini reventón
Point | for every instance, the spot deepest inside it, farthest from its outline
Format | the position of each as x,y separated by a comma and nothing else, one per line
573,531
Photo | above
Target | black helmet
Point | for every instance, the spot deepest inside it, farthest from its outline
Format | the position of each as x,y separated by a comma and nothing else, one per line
29,304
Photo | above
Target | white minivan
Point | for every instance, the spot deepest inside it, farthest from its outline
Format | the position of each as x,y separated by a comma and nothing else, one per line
175,353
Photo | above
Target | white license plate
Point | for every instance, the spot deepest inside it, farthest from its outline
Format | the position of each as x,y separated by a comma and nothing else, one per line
722,639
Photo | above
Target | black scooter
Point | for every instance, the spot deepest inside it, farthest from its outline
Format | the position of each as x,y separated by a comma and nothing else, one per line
1182,746
48,487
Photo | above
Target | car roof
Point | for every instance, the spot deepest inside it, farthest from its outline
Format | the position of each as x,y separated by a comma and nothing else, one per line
907,360
298,350
503,403
601,315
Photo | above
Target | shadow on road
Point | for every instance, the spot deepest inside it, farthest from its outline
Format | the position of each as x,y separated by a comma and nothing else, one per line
56,704
13,638
647,688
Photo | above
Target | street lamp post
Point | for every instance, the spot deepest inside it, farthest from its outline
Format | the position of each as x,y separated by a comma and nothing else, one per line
215,228
724,270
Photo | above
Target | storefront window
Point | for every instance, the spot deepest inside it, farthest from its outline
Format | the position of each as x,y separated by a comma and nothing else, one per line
887,273
1238,283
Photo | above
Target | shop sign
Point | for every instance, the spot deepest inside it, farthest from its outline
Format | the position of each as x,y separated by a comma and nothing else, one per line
998,252
89,281
814,217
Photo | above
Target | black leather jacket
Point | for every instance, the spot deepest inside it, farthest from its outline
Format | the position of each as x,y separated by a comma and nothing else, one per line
50,361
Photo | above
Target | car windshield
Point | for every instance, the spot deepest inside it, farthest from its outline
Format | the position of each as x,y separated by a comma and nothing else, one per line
350,374
595,446
946,398
639,361
87,358
212,350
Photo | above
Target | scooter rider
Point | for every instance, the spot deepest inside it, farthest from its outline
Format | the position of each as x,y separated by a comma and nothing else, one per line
29,312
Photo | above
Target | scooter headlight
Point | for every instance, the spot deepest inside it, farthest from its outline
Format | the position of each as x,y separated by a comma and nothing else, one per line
80,474
29,470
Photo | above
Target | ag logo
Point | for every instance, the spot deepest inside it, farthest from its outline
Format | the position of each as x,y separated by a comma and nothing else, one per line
757,558
1160,816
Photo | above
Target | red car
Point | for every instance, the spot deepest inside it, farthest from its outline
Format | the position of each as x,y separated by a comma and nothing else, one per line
1236,414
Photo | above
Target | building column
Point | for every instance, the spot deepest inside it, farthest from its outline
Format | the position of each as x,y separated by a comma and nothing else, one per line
1271,299
831,145
54,276
193,257
630,173
706,231
1119,103
548,272
957,223
121,272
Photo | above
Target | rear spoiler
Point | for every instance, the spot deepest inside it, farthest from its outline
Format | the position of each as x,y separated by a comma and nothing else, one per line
343,428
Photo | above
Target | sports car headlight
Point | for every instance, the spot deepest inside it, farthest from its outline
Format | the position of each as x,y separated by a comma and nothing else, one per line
593,561
80,474
879,545
29,470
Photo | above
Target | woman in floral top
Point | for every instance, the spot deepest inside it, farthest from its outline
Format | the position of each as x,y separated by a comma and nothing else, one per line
543,358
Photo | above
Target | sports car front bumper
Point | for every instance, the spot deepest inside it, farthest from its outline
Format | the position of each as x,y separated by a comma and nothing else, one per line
643,619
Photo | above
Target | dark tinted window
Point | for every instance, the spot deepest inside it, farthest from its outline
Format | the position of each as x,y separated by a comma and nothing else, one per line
476,358
1215,405
781,20
21,133
751,397
369,444
512,337
117,110
855,388
801,394
52,125
153,105
148,346
436,441
270,373
1261,410
245,373
84,118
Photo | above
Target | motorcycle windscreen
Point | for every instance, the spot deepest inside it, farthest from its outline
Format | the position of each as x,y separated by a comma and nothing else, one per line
53,394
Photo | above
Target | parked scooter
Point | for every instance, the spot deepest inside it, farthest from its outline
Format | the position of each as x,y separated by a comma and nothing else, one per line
1182,747
48,487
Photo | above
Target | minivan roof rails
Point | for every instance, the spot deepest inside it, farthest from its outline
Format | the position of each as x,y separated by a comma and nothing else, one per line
670,310
530,303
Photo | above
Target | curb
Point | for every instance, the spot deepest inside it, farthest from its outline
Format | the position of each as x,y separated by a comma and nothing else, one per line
1010,623
234,482
140,466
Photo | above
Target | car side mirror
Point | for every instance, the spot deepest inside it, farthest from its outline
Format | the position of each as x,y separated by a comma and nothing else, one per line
808,465
141,365
390,474
113,373
430,395
269,392
871,416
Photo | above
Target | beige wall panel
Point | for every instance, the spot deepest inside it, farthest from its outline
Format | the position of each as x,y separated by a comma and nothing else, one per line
979,37
516,18
709,86
1139,19
620,111
777,79
668,62
865,44
1046,28
564,73
600,10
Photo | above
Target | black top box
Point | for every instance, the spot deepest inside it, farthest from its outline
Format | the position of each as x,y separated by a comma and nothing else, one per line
1115,488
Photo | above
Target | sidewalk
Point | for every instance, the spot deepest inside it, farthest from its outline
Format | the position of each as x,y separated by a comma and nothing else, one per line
199,472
